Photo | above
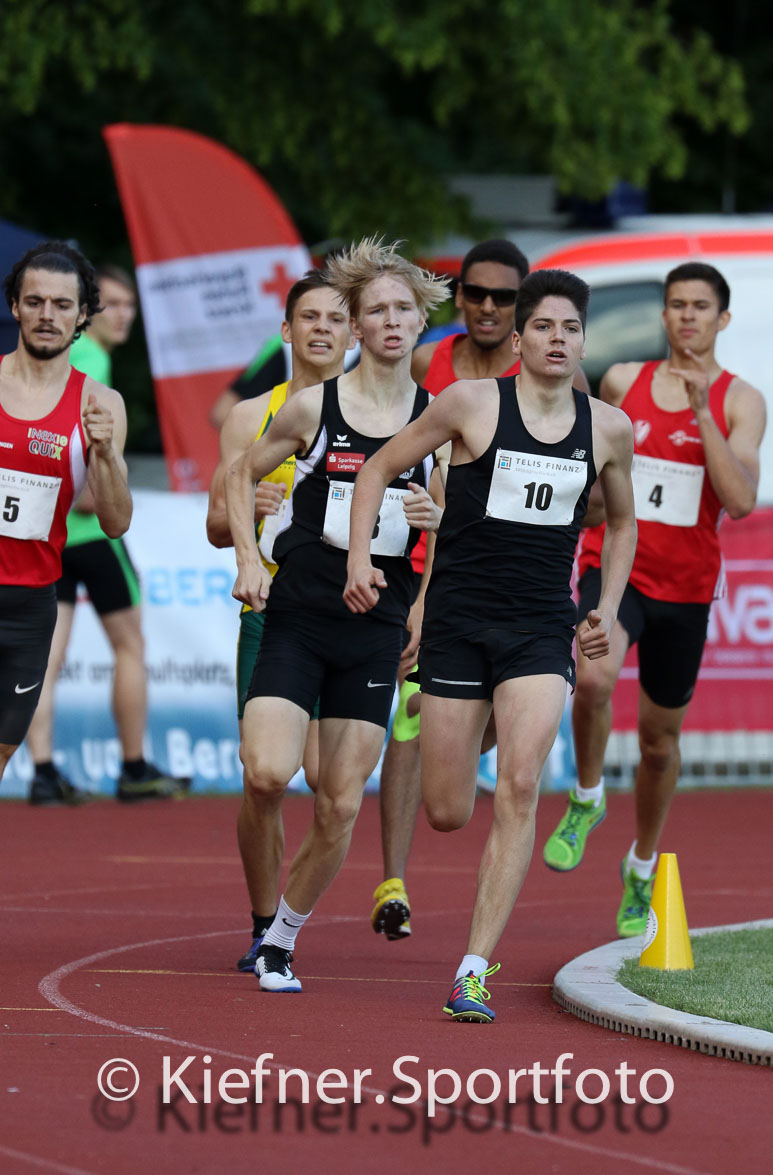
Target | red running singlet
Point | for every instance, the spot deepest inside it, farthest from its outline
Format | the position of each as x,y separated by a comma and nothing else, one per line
42,470
440,374
678,558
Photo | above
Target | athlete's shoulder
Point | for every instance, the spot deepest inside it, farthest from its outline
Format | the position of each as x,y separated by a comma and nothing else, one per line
610,420
246,417
618,381
422,358
105,395
744,403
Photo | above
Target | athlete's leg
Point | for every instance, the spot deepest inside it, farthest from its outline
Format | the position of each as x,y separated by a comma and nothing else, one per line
348,752
657,772
592,706
130,690
6,750
399,799
311,755
274,737
40,734
528,713
450,739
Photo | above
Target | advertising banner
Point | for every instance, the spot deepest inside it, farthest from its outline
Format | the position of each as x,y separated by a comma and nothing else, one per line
216,254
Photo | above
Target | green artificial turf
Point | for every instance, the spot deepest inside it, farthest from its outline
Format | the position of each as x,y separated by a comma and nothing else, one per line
732,980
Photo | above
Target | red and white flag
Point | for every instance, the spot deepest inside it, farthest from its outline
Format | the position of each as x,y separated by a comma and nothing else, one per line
216,254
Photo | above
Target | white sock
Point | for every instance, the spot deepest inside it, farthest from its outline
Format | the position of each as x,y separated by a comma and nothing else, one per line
284,929
642,868
585,794
472,963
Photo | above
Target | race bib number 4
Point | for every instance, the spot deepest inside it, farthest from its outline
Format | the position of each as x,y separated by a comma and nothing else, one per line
27,504
666,491
391,533
541,491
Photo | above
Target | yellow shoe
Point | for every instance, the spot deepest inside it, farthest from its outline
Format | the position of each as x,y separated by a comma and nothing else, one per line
391,913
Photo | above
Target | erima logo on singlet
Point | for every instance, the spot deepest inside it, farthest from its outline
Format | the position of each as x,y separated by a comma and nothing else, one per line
341,441
46,444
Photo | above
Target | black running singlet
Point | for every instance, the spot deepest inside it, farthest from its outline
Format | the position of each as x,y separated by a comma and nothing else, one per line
312,543
506,544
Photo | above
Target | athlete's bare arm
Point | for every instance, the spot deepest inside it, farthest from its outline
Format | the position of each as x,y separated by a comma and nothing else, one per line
237,434
617,382
443,420
104,423
613,449
291,431
733,465
422,357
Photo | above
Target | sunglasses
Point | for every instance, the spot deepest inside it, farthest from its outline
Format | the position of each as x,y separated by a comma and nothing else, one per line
500,297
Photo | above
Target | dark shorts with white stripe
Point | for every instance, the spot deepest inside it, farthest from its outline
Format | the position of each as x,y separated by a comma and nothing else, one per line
474,664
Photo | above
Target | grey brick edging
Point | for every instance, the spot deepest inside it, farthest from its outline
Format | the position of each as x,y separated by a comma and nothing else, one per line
587,988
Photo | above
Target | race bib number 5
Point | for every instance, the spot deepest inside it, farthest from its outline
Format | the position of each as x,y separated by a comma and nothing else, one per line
27,504
391,533
538,490
666,491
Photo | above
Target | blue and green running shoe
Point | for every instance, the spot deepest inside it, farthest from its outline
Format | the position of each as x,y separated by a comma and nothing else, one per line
468,996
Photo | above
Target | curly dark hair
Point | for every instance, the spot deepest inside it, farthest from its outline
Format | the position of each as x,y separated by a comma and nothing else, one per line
57,257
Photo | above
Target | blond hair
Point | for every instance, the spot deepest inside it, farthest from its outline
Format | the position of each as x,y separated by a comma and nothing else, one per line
351,270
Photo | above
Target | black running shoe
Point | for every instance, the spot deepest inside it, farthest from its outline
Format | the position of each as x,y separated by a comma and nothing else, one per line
272,968
45,792
248,960
152,785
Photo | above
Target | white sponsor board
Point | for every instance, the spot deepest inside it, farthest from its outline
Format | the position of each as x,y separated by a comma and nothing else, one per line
211,312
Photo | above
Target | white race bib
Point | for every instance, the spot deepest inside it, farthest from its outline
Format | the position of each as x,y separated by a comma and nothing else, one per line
391,533
538,490
27,504
667,491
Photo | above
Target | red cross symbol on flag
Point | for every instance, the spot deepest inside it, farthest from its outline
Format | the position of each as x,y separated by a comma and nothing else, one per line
279,283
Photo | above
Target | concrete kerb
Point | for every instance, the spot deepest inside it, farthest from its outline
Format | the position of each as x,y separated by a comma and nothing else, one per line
587,988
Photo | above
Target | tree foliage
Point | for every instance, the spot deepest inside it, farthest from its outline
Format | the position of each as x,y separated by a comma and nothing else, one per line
356,113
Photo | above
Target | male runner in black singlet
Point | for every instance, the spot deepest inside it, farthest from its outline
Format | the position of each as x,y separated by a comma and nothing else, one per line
313,647
499,618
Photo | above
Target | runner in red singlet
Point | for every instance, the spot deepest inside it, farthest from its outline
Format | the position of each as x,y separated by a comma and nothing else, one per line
697,432
60,429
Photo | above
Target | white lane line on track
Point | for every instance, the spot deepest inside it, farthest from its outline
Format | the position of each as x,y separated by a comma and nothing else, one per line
46,1164
49,988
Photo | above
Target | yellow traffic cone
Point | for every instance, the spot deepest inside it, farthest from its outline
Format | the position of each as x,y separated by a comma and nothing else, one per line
666,939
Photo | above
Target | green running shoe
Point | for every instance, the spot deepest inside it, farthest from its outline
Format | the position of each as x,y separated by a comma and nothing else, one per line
466,1001
635,906
564,849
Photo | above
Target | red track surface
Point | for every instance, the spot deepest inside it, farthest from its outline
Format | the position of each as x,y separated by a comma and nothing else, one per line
122,927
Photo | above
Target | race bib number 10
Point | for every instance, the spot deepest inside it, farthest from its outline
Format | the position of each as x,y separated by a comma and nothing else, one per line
391,533
538,490
27,504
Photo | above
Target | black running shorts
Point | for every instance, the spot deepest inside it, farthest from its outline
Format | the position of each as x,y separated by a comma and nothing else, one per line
473,665
27,620
349,663
670,639
107,572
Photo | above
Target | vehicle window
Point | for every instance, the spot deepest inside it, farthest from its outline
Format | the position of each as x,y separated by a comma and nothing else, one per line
624,326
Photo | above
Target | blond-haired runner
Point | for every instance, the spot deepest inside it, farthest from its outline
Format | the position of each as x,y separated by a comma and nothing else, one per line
313,647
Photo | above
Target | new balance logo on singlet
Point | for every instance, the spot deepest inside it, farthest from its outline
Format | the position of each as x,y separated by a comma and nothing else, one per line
579,454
